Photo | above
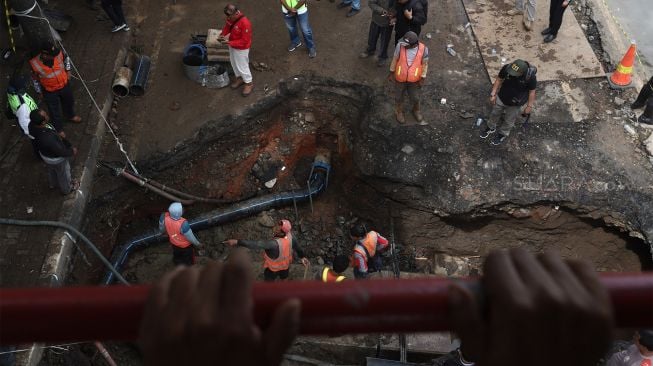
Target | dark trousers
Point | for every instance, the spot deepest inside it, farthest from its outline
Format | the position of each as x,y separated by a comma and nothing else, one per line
113,8
57,99
401,31
556,11
270,276
184,256
376,32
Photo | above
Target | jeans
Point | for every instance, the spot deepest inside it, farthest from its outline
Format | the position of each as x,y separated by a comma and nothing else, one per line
57,99
355,4
113,8
375,33
291,24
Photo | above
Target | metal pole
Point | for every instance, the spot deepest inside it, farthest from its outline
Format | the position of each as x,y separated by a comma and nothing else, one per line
390,306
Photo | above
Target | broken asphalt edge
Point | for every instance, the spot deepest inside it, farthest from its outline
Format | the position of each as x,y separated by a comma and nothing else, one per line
57,258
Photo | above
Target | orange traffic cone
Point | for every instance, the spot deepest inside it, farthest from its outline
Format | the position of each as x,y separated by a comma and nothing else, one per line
622,76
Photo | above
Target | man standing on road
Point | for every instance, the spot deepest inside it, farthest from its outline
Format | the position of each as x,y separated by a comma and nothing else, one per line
514,87
527,8
411,16
48,68
408,70
180,235
367,246
355,7
556,11
296,12
644,99
54,150
113,8
638,354
20,104
380,28
238,29
277,253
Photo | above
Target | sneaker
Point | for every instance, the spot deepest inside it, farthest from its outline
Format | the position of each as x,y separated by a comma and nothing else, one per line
126,29
364,55
342,5
293,47
512,12
486,131
353,12
498,139
118,27
312,53
382,62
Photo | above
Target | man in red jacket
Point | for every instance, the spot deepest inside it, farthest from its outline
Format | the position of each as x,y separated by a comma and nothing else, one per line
237,33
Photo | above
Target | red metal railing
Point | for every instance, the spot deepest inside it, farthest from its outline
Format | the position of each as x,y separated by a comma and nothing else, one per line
393,306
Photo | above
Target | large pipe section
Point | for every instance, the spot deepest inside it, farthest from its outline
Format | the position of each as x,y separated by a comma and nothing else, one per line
316,184
140,75
388,306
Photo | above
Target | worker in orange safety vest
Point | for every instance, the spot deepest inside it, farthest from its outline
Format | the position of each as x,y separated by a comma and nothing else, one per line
180,235
340,264
408,71
277,253
367,245
51,76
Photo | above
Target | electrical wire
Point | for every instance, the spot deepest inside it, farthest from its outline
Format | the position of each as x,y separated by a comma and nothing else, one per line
68,227
24,13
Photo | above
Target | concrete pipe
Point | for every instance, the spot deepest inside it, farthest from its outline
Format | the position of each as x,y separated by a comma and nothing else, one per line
120,86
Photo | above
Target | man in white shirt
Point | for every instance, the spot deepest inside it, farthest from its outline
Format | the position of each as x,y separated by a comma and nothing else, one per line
638,354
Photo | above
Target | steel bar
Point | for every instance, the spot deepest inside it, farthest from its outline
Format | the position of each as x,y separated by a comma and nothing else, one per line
391,306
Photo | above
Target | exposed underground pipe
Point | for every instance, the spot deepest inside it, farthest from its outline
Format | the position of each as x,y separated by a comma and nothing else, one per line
318,181
120,86
387,306
139,78
63,225
142,183
105,353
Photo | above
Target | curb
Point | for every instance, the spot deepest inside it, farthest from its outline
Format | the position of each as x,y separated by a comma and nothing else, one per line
57,259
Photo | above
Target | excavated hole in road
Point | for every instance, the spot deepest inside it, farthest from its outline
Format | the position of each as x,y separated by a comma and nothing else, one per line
233,159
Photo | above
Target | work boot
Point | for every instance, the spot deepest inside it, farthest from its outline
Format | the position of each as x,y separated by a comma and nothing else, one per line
399,114
546,31
237,83
643,96
417,114
247,89
647,116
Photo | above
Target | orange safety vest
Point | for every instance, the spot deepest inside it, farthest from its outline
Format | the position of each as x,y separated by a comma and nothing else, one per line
412,73
329,275
173,228
285,255
52,78
367,247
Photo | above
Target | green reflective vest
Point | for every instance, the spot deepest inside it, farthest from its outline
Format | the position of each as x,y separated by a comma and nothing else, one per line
293,3
15,101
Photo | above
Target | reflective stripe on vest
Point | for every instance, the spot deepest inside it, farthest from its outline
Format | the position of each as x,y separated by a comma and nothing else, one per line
52,78
15,102
285,255
329,275
173,228
412,73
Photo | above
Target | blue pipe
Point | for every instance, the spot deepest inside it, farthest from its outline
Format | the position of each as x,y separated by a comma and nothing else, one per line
318,182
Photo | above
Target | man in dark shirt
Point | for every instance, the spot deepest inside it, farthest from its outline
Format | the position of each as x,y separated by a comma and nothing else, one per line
278,252
411,16
55,151
514,87
380,29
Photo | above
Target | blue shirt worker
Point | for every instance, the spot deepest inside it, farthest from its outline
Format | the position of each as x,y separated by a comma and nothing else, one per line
180,234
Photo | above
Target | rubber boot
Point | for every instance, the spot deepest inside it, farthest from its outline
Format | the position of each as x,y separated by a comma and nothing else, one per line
647,116
417,114
643,96
399,114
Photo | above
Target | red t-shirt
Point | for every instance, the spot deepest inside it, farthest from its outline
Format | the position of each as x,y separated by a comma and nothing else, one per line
240,33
